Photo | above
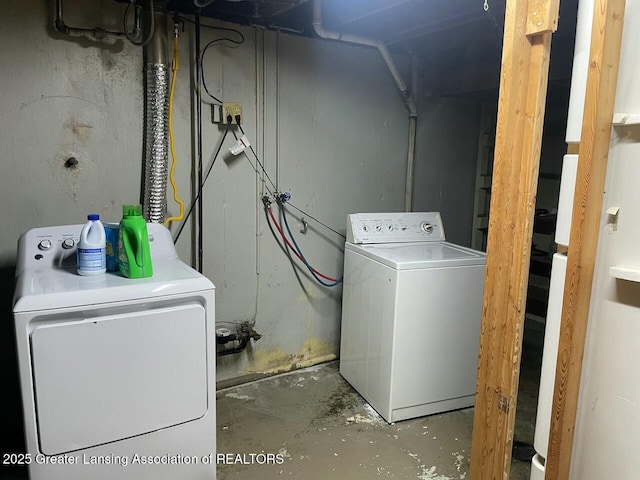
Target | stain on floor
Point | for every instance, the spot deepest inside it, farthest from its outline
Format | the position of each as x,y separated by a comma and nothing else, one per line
318,427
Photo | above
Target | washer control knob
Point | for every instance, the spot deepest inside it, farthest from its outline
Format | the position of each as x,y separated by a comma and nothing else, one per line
426,227
68,243
44,245
378,228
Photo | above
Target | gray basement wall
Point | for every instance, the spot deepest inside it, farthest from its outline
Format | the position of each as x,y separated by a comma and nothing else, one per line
446,159
325,118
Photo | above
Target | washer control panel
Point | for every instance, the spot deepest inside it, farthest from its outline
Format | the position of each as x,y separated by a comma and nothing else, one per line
395,227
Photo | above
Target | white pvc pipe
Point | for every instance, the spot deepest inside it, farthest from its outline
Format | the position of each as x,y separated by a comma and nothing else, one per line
369,42
411,151
580,70
409,100
411,155
550,354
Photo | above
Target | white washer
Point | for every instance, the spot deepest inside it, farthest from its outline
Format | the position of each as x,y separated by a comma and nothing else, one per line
117,375
411,314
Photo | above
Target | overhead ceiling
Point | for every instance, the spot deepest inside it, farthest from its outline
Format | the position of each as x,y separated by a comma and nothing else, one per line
394,21
458,41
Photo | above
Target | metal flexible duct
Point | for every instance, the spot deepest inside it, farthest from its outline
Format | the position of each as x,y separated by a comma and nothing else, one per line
156,146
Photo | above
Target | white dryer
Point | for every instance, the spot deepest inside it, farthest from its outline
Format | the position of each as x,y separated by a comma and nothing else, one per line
411,314
117,375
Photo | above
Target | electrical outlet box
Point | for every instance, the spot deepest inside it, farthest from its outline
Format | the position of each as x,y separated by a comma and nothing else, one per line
216,113
232,110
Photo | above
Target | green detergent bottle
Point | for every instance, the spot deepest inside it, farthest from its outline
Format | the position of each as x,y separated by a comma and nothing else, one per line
134,255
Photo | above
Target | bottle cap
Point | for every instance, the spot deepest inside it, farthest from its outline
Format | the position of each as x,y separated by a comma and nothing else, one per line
93,216
132,210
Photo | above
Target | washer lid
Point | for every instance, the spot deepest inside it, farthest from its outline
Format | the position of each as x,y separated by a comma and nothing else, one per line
50,288
408,256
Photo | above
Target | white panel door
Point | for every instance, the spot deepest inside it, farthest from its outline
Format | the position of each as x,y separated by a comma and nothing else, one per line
107,378
437,334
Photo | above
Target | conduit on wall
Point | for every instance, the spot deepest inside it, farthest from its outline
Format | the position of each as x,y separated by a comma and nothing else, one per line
97,33
402,87
156,145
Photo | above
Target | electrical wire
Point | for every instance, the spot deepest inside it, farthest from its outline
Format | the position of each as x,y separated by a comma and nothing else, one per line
293,249
335,282
271,192
316,220
212,27
204,181
296,250
151,24
234,41
258,160
264,171
273,185
200,217
174,71
201,53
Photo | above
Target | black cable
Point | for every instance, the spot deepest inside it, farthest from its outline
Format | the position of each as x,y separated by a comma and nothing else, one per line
288,202
258,160
197,197
272,193
213,27
204,51
199,74
213,42
315,219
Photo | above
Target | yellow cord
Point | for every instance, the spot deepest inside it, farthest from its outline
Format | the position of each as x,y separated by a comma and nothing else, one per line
174,71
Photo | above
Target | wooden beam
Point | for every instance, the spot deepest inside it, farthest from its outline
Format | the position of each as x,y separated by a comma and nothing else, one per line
542,16
523,88
573,148
602,78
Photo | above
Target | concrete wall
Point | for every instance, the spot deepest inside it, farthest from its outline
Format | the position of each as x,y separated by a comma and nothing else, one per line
608,420
331,130
62,99
446,161
325,119
59,99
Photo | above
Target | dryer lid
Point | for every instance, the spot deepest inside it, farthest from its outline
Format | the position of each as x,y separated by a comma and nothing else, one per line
51,288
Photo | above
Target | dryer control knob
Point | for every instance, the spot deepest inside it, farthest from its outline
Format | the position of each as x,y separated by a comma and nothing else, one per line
44,245
426,227
68,243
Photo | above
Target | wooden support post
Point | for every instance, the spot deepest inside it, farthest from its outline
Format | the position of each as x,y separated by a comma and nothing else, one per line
542,16
604,58
523,89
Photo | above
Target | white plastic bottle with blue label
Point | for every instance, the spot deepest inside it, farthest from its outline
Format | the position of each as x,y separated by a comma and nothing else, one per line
92,258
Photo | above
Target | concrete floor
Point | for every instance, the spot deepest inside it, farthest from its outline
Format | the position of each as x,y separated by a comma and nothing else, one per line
322,428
